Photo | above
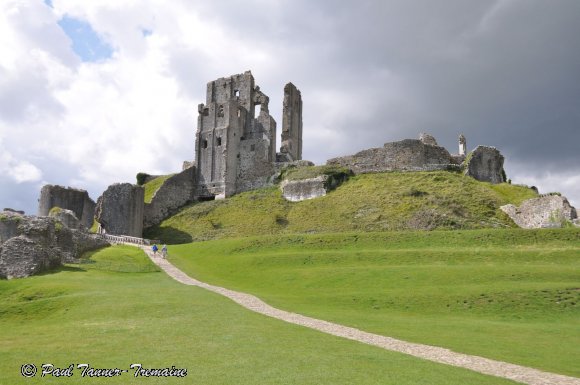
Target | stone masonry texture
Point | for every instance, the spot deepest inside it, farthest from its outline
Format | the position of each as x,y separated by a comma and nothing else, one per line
120,209
292,123
404,155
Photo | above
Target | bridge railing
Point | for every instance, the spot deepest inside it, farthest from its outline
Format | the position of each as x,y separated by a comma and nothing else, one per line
124,239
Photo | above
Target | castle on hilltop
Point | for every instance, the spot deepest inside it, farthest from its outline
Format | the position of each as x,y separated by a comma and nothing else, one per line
235,151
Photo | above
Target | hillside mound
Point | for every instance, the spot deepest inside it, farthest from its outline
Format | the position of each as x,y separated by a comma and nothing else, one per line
368,202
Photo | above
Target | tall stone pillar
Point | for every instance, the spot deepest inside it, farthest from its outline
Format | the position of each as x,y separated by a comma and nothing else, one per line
462,145
292,123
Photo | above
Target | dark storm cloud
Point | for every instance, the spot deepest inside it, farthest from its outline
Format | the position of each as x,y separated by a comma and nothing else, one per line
503,72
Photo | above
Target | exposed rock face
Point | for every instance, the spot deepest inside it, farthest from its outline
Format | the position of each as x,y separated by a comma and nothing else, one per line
120,209
545,211
485,164
68,198
404,155
177,191
31,245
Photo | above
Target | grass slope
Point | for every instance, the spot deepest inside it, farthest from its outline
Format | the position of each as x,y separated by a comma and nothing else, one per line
116,313
511,295
153,185
370,202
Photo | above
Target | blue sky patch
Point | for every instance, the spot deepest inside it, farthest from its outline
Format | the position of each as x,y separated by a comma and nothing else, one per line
49,3
86,43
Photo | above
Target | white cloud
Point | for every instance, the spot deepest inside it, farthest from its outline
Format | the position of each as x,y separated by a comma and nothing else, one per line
566,183
18,170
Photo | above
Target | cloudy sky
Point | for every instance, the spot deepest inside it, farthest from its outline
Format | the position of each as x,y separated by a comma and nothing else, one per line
92,92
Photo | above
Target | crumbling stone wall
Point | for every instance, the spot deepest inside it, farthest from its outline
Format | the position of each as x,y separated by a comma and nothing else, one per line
31,245
76,200
404,155
120,209
541,212
427,139
177,191
485,164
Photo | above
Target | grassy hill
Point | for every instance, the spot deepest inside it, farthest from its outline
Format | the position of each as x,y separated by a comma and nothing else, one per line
369,202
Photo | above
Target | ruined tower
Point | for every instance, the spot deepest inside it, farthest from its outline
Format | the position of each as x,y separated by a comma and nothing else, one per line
462,145
235,144
291,148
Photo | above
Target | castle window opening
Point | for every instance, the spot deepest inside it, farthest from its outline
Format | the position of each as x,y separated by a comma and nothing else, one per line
221,111
219,141
258,110
237,94
205,143
253,147
239,113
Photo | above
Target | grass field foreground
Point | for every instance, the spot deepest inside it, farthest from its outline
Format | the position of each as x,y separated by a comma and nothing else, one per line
511,295
119,309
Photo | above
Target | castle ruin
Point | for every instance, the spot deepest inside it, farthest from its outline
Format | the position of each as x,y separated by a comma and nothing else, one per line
236,136
235,151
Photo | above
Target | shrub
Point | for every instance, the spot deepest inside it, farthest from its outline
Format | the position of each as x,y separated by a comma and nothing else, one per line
141,177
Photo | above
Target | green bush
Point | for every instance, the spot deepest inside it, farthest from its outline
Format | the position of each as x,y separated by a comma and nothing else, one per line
141,177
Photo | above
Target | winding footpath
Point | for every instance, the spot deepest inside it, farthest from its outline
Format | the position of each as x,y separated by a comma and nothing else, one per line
513,372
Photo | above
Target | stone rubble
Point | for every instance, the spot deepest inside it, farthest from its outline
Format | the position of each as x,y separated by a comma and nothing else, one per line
31,245
548,211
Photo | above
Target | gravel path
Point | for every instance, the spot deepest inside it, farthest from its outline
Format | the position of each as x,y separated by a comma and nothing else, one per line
513,372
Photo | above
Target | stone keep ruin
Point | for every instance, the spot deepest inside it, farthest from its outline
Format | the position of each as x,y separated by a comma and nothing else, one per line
236,136
235,151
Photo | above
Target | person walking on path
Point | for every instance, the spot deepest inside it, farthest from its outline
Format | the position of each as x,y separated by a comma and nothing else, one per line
164,251
154,248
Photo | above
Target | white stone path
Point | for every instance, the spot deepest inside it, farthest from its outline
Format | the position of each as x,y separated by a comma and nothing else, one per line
513,372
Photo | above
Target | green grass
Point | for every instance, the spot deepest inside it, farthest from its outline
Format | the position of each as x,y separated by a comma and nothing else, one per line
314,171
111,318
153,185
370,202
511,295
